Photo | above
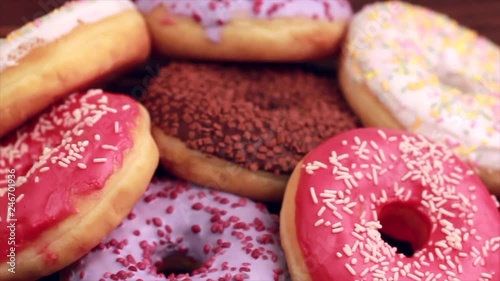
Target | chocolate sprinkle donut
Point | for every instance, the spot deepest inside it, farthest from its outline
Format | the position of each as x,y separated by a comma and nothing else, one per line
261,117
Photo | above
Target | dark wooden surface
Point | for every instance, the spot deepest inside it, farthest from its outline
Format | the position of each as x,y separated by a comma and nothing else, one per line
481,15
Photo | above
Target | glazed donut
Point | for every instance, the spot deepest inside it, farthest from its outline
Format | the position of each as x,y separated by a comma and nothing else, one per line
246,30
242,128
72,170
411,68
370,182
64,51
230,237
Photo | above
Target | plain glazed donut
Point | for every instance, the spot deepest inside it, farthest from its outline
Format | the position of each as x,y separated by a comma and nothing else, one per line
246,30
230,237
65,51
410,68
365,182
68,178
242,128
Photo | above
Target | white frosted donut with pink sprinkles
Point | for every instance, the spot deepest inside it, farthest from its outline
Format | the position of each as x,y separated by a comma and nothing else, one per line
234,238
354,196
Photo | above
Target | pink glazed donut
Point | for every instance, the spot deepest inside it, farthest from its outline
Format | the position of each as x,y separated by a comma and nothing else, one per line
234,238
360,186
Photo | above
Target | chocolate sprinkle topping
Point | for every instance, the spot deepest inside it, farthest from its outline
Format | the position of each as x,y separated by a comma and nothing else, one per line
261,117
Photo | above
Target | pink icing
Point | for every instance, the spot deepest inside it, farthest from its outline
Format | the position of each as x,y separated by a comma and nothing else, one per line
369,180
213,14
71,149
235,238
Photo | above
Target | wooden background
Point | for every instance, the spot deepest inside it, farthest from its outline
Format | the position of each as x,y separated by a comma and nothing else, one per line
481,15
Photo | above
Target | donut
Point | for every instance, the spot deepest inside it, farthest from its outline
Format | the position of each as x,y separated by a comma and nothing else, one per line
67,50
351,195
226,236
246,30
241,128
68,178
407,67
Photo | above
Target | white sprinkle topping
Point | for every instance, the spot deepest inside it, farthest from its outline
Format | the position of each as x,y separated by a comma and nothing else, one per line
126,107
82,166
44,169
97,137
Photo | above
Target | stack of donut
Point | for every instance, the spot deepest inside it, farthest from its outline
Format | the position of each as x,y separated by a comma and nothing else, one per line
240,115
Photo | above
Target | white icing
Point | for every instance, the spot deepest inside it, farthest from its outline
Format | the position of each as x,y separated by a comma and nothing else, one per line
55,25
99,261
400,54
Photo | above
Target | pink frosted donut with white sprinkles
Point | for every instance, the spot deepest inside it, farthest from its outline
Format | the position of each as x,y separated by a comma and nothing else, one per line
353,196
232,238
71,170
246,30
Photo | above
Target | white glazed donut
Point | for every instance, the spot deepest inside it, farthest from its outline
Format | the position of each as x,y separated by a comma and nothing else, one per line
410,68
64,51
234,238
68,178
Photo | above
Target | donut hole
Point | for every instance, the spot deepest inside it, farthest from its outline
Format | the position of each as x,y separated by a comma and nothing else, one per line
178,263
404,227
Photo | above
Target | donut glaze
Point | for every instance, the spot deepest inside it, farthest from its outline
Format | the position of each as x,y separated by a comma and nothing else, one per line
259,117
234,238
435,77
367,181
70,150
55,25
213,14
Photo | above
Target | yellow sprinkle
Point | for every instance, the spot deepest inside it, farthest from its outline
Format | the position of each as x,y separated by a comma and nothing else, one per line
417,123
486,100
374,15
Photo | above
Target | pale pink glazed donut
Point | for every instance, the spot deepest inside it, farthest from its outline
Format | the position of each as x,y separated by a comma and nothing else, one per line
68,178
232,237
246,30
366,182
